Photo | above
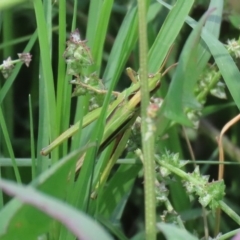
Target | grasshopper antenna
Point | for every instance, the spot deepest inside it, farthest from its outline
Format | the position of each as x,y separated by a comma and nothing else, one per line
169,68
164,63
165,60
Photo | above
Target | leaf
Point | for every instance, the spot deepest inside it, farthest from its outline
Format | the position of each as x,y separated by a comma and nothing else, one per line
180,94
79,223
16,218
113,198
111,226
223,59
123,45
168,33
172,232
225,63
215,191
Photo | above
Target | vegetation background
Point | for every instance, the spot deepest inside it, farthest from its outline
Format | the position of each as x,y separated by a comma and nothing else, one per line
17,26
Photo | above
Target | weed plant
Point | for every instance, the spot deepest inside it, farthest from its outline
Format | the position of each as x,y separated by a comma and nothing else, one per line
90,150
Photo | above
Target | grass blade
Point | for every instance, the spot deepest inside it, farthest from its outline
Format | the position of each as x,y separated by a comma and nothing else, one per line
186,75
32,139
77,222
54,182
46,69
168,33
9,146
101,30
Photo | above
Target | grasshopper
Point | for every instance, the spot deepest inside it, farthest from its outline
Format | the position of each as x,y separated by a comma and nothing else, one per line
124,109
121,115
120,112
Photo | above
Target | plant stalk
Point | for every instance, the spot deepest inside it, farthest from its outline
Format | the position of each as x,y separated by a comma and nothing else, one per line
147,139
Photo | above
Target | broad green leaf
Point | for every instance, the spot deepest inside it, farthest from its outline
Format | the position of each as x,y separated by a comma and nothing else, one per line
139,236
113,198
79,223
180,92
111,226
172,232
16,218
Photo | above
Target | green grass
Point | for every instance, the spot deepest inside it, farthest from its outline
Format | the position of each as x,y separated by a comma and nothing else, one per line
131,186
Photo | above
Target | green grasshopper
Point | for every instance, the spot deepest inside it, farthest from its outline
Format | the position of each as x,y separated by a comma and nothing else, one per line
121,111
121,115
